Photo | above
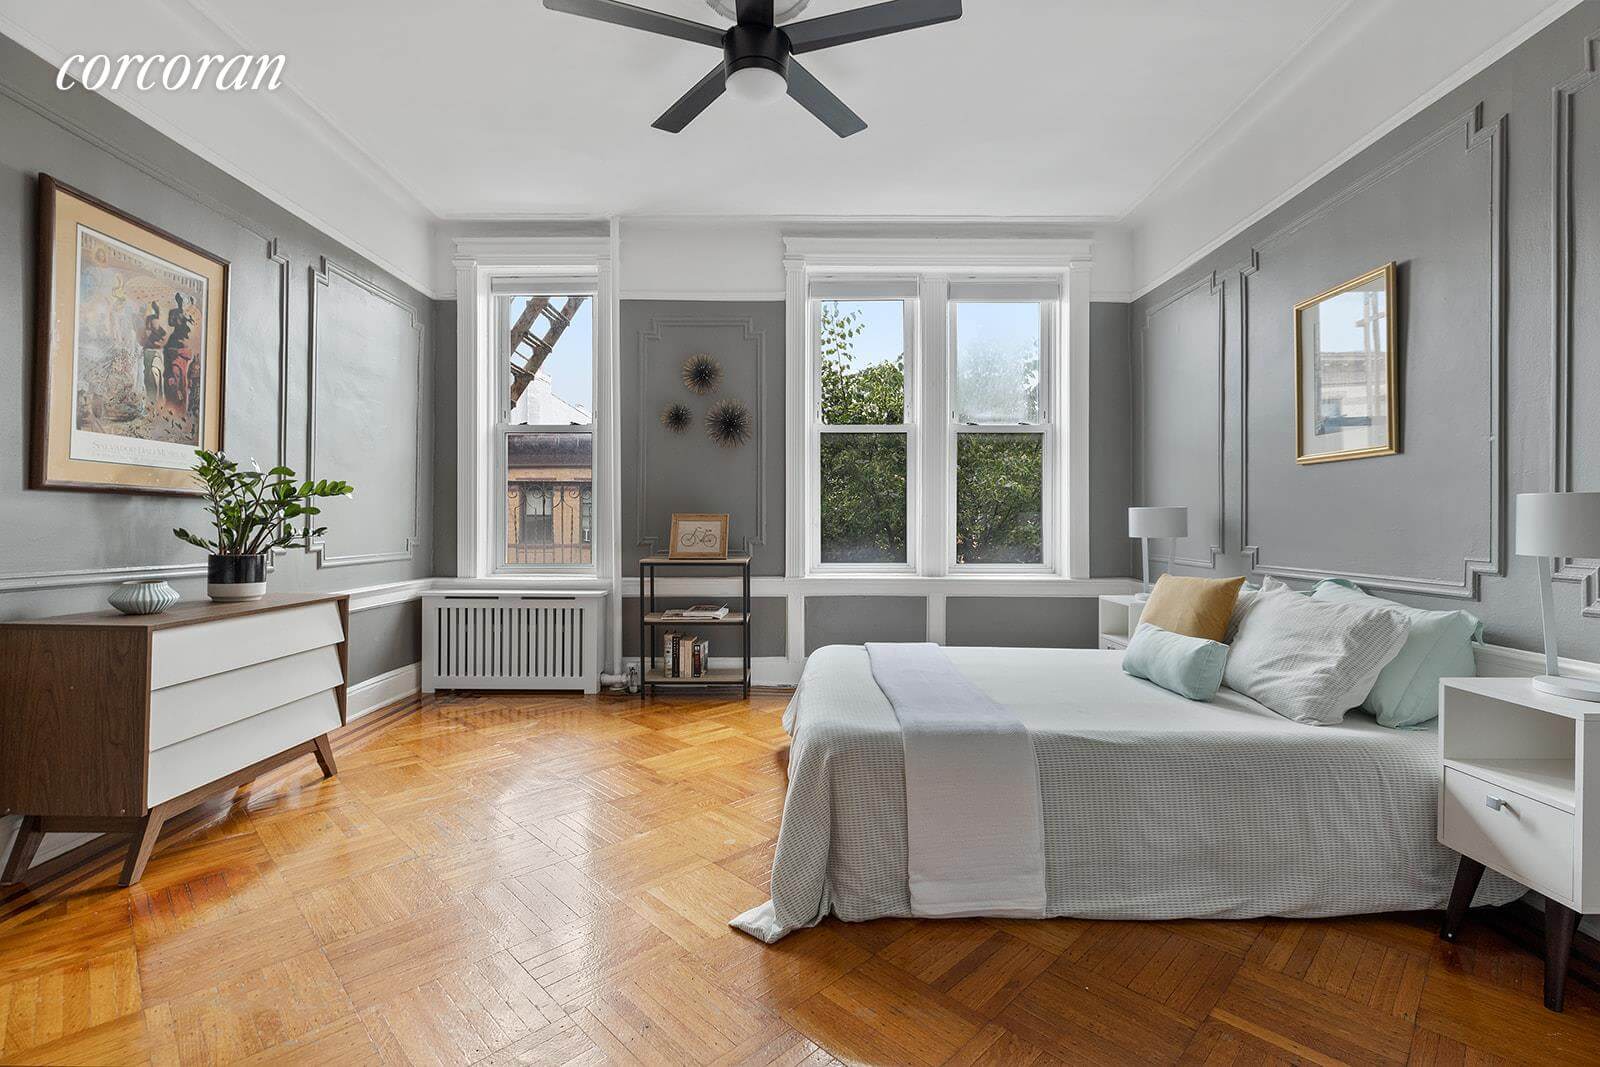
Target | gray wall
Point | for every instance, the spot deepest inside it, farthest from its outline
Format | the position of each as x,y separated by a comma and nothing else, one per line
296,298
1022,621
665,472
1110,438
1461,198
852,620
365,415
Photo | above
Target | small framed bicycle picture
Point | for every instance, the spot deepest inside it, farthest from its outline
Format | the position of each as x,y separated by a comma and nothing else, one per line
699,537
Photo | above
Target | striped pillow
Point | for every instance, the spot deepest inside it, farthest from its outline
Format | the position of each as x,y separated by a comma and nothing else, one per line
1311,660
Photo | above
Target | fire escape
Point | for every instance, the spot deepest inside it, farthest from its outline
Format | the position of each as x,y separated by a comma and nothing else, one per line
534,336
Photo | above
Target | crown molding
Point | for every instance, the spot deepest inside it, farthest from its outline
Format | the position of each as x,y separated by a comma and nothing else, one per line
1269,96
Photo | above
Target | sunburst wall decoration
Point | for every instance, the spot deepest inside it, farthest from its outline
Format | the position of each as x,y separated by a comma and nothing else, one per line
728,424
676,417
701,373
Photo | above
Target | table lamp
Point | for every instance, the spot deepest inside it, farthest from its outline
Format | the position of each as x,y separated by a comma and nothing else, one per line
1558,525
1146,523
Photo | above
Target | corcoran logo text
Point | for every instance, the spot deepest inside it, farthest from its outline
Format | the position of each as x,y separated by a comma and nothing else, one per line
235,74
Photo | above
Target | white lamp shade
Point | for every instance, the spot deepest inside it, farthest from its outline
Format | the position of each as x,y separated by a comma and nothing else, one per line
1158,522
1558,524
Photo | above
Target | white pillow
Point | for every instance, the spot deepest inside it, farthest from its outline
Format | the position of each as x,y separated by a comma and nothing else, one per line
1311,660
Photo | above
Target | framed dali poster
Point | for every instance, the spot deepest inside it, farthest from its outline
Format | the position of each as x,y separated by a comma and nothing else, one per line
128,362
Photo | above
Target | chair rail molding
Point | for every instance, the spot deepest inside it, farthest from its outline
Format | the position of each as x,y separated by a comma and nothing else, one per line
1474,135
1213,285
1563,241
646,417
320,277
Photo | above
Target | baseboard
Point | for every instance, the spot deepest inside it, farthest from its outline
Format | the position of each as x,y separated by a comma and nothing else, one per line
382,690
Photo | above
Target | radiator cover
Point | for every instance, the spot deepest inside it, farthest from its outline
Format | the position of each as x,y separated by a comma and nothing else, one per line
494,640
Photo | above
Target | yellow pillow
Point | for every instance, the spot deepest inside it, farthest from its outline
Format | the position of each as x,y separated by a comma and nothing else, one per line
1194,607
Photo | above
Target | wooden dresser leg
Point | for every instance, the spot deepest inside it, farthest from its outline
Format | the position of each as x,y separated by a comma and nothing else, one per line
1560,924
325,756
1469,872
29,836
143,843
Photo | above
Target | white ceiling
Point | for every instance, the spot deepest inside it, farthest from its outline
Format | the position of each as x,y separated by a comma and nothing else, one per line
1022,107
1175,121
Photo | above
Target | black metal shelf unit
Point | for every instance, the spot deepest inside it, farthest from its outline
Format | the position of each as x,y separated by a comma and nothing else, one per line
652,677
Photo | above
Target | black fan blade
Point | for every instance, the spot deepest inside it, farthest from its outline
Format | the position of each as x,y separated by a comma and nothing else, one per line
817,99
639,18
846,27
758,12
691,103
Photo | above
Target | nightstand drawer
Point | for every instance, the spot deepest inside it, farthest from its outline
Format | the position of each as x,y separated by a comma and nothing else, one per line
1523,839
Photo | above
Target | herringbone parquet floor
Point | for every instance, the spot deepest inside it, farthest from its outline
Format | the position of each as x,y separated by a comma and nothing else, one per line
548,880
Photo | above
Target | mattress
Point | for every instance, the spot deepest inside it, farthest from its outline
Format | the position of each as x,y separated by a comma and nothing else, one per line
1154,806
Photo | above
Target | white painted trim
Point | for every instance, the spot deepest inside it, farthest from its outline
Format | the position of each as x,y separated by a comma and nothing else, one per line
1441,89
365,697
936,253
953,585
1074,375
705,295
1498,661
97,576
381,596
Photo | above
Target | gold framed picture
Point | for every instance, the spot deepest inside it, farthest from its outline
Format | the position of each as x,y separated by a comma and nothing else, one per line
128,353
1346,383
699,537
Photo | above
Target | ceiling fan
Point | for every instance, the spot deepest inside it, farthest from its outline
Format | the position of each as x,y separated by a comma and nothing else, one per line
758,55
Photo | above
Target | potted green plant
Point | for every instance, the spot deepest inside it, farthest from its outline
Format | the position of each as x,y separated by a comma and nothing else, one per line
253,512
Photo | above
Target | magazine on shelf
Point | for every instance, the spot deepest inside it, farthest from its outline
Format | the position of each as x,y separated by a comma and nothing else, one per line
707,612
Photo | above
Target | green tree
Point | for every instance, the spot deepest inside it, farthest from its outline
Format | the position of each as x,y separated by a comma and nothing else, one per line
999,485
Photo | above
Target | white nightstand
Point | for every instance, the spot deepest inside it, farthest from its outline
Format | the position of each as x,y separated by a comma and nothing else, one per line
1119,617
1520,792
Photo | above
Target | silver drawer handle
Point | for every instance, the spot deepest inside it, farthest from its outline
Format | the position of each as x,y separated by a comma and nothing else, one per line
1494,803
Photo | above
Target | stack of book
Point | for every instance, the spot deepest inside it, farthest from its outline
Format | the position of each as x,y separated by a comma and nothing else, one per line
684,655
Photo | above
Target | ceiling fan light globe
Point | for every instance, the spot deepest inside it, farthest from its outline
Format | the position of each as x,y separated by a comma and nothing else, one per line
757,84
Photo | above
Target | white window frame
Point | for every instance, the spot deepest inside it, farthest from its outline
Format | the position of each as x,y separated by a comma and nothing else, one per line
539,285
1048,428
886,289
550,264
817,264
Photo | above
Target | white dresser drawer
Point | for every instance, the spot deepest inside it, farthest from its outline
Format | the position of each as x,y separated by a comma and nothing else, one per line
184,653
188,709
1524,839
189,764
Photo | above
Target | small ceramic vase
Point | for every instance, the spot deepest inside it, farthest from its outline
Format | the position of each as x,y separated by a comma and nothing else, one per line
146,596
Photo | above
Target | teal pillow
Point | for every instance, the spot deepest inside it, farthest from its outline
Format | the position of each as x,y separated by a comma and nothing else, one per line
1438,645
1189,666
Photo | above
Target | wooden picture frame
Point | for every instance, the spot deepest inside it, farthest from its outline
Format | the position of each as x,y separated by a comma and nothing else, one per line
1346,371
129,350
698,537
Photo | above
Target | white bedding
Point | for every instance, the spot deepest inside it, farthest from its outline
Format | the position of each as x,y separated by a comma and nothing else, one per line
1154,807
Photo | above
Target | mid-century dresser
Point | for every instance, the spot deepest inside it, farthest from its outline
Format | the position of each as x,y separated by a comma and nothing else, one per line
115,723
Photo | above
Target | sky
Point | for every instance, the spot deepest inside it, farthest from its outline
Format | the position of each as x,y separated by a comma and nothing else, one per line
571,365
1013,324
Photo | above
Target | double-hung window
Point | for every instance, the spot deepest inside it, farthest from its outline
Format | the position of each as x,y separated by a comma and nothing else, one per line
545,341
863,452
935,429
1002,440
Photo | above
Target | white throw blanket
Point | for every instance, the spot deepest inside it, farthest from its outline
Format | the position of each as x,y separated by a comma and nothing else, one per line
974,828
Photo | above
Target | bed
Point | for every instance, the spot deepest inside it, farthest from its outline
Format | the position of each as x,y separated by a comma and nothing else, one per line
1154,807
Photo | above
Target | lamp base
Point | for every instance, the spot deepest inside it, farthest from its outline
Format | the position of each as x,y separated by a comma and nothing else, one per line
1572,688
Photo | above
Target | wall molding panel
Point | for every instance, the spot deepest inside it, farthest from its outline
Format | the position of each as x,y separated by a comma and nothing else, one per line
1565,303
1473,136
757,338
321,278
1212,285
